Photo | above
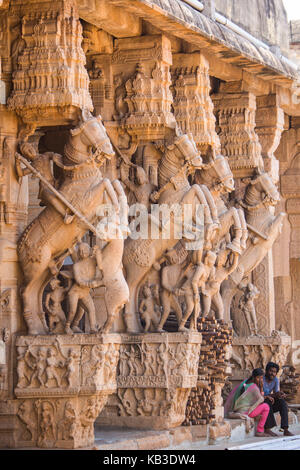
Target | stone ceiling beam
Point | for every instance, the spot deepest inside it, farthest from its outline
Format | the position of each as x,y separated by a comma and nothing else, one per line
114,20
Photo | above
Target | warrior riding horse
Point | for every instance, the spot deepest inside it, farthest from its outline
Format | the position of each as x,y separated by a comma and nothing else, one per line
48,238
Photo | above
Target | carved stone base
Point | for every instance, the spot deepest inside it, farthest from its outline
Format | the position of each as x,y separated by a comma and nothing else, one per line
156,374
253,352
63,384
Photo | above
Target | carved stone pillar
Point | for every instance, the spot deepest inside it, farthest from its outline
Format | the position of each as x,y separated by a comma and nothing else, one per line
291,191
155,376
62,385
263,279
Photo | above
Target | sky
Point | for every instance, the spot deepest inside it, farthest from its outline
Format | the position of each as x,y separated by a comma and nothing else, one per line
293,9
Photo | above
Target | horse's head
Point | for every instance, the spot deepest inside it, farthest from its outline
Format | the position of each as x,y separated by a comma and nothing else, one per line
185,149
217,175
264,184
92,135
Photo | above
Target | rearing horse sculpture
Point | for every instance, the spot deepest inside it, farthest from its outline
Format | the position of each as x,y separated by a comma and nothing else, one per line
179,159
48,238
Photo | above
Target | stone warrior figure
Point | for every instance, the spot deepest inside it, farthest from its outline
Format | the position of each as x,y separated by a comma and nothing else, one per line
247,306
57,318
211,292
197,279
84,271
42,163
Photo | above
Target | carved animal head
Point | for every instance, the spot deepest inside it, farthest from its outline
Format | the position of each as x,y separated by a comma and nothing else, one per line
93,135
185,149
264,185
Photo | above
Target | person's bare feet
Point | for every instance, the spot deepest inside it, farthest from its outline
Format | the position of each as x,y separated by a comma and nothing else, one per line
271,433
286,432
261,434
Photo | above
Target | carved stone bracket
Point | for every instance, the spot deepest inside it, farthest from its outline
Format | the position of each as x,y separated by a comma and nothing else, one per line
62,385
155,376
50,81
236,111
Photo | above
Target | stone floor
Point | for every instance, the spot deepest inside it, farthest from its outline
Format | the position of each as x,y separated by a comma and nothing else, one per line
227,435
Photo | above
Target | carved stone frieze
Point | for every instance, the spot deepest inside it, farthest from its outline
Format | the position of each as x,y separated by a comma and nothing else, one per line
155,375
254,352
62,384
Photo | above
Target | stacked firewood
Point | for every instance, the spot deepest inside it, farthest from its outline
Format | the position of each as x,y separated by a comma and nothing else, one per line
289,383
212,372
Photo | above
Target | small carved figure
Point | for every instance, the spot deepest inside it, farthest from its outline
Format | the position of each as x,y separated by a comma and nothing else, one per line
197,279
25,415
22,363
162,360
18,46
70,365
47,425
133,355
149,310
67,427
247,306
211,292
84,270
39,367
57,318
142,189
52,364
149,359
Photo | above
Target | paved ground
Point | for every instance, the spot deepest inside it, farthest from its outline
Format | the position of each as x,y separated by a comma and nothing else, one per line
132,439
257,443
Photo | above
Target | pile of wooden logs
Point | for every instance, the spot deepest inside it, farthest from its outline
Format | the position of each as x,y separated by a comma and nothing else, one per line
205,400
289,383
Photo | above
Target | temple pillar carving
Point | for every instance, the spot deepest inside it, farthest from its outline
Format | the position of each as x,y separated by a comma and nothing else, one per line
290,156
62,384
156,373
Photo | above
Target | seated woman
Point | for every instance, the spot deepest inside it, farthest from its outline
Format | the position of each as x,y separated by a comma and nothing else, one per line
247,399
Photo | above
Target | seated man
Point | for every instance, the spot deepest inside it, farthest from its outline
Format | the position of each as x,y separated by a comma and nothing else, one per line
275,398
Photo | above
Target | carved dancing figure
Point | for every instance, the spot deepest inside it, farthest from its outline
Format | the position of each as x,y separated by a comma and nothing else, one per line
51,364
39,367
